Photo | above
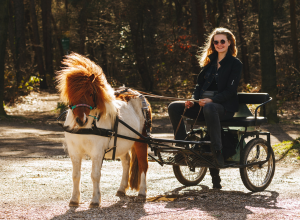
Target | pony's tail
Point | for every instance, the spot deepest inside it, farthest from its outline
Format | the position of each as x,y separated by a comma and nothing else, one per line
138,163
134,177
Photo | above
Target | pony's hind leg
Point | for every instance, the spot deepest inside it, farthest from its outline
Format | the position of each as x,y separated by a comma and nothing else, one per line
142,155
124,182
139,167
96,174
76,161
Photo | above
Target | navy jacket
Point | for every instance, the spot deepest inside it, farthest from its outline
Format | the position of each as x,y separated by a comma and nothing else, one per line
229,75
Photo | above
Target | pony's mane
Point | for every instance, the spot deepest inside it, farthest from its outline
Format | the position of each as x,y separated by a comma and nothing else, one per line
81,77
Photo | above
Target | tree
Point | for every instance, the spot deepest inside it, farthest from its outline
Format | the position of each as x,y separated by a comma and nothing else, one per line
198,33
294,34
240,11
267,57
82,20
47,36
198,29
20,40
3,33
37,46
135,11
215,12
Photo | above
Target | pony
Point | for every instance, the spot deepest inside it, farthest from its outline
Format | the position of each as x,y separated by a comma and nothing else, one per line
83,85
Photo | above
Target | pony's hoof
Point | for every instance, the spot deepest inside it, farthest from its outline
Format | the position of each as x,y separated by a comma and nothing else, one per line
141,198
74,204
120,194
94,205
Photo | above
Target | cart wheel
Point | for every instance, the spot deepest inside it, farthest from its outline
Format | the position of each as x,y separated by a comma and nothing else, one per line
258,177
187,177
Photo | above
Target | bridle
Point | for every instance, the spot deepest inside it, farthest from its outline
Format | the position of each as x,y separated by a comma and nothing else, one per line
94,94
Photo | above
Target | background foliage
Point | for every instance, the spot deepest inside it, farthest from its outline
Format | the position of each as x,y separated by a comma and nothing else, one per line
148,45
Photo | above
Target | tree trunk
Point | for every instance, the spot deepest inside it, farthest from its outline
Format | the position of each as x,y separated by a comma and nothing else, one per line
47,37
211,13
3,33
58,38
136,22
151,22
37,46
267,57
198,32
82,19
294,34
239,11
20,40
139,50
198,29
11,32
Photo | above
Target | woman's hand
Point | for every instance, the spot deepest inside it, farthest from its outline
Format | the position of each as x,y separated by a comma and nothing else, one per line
202,102
189,104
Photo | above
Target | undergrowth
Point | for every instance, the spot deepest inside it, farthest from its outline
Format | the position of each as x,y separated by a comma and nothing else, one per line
288,148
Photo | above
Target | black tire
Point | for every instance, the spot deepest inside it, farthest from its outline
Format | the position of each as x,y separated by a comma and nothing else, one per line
257,178
187,177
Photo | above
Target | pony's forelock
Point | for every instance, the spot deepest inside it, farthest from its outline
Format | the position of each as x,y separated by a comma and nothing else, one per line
81,77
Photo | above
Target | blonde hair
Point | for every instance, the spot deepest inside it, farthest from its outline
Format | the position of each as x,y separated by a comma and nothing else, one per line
209,48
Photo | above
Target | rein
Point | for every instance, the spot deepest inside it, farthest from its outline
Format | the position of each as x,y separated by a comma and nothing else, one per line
165,97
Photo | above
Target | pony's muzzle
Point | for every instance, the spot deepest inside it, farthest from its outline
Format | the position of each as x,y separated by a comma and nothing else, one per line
80,122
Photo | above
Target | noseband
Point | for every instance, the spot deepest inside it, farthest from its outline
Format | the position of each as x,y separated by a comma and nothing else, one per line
94,94
80,105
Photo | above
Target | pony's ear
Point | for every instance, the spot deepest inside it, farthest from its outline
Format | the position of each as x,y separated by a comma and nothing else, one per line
92,77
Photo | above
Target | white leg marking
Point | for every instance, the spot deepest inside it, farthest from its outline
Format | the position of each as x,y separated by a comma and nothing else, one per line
75,199
143,186
125,176
96,174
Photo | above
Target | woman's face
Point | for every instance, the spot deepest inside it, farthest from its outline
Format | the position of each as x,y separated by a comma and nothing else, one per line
221,43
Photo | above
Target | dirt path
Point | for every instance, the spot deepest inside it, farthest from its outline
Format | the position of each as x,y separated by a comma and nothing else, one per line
36,178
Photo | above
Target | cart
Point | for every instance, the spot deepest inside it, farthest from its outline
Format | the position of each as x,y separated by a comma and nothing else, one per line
254,155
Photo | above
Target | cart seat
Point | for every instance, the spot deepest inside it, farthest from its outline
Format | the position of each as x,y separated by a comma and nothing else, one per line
244,117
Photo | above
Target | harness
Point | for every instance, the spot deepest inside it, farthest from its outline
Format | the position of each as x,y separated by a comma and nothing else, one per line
94,130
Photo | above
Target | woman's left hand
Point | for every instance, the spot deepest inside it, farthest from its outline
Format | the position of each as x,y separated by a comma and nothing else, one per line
202,102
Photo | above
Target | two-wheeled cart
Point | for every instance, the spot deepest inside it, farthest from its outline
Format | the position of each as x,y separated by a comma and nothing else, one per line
254,155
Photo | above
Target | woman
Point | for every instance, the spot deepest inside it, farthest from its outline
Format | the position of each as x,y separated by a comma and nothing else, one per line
219,76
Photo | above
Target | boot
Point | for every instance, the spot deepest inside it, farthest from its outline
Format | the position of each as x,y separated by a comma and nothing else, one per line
216,179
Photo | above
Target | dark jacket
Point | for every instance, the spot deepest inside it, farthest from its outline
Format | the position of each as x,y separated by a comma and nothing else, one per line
229,75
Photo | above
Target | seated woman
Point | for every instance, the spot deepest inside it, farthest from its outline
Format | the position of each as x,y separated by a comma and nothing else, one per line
220,75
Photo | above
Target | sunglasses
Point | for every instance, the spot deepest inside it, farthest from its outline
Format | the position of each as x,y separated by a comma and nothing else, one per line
217,42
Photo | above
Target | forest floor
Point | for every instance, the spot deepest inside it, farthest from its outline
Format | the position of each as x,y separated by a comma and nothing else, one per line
36,175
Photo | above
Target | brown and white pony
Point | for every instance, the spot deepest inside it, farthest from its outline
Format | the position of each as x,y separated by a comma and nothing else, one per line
83,85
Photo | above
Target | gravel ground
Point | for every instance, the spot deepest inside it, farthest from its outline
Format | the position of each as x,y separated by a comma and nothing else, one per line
36,180
40,188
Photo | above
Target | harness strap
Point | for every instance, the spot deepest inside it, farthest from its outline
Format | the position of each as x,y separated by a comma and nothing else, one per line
116,135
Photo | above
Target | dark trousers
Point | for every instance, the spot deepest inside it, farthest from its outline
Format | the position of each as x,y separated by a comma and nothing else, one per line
211,113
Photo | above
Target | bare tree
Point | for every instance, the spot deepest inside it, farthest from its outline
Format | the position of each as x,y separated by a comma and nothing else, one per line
267,57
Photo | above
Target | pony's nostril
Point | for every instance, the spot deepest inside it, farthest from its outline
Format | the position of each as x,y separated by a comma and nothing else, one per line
79,122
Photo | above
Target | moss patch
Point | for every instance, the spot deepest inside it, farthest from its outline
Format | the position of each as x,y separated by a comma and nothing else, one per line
287,148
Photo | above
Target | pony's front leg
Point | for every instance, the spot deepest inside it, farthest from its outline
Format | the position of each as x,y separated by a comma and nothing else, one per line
124,182
96,174
75,199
